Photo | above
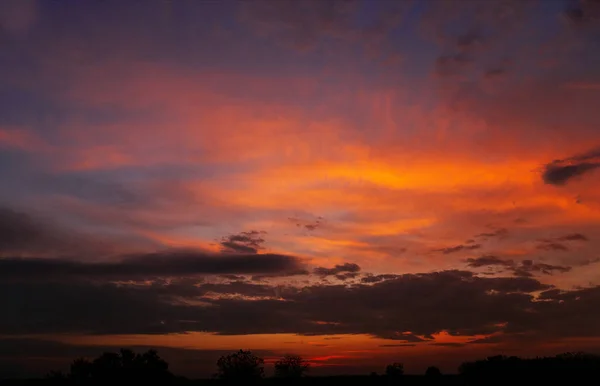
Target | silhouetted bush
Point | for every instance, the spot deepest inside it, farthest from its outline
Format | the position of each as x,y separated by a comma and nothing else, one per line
564,367
291,366
394,370
111,367
432,372
242,366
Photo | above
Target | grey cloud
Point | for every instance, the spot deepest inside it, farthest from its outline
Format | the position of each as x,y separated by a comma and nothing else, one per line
552,246
23,234
557,243
336,270
452,64
347,275
456,301
582,12
300,25
308,225
486,261
494,73
288,273
370,278
525,269
500,232
149,265
559,172
458,248
448,344
244,242
573,237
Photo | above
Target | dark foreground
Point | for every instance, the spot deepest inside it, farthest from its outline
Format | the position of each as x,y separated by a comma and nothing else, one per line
417,380
244,368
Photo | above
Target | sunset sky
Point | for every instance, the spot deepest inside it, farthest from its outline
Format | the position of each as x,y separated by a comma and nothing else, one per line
357,182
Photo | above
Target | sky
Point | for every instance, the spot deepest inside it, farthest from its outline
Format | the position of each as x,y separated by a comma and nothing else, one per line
356,182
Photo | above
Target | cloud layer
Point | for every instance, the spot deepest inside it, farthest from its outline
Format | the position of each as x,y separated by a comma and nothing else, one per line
410,173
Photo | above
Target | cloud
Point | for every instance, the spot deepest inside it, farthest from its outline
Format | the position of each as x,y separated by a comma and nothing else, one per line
370,278
244,242
528,266
558,243
336,270
308,225
561,171
452,64
429,304
300,25
458,248
500,232
582,12
22,234
18,16
573,237
448,344
551,246
525,269
486,261
347,275
290,273
150,265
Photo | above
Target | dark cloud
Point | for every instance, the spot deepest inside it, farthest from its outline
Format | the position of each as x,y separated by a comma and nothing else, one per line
452,64
559,172
370,278
398,345
347,275
531,266
589,262
308,225
582,12
150,265
23,233
489,339
338,269
573,237
486,261
448,344
233,277
552,246
454,301
500,232
525,269
295,272
458,248
300,25
244,242
494,73
557,243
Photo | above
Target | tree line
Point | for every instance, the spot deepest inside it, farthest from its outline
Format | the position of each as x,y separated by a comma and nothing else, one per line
245,367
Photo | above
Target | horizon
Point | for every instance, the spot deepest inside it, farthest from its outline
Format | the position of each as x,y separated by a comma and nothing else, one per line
356,182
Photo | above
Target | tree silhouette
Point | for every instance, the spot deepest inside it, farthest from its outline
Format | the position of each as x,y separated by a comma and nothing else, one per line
291,366
240,366
81,370
123,366
571,368
394,370
433,371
